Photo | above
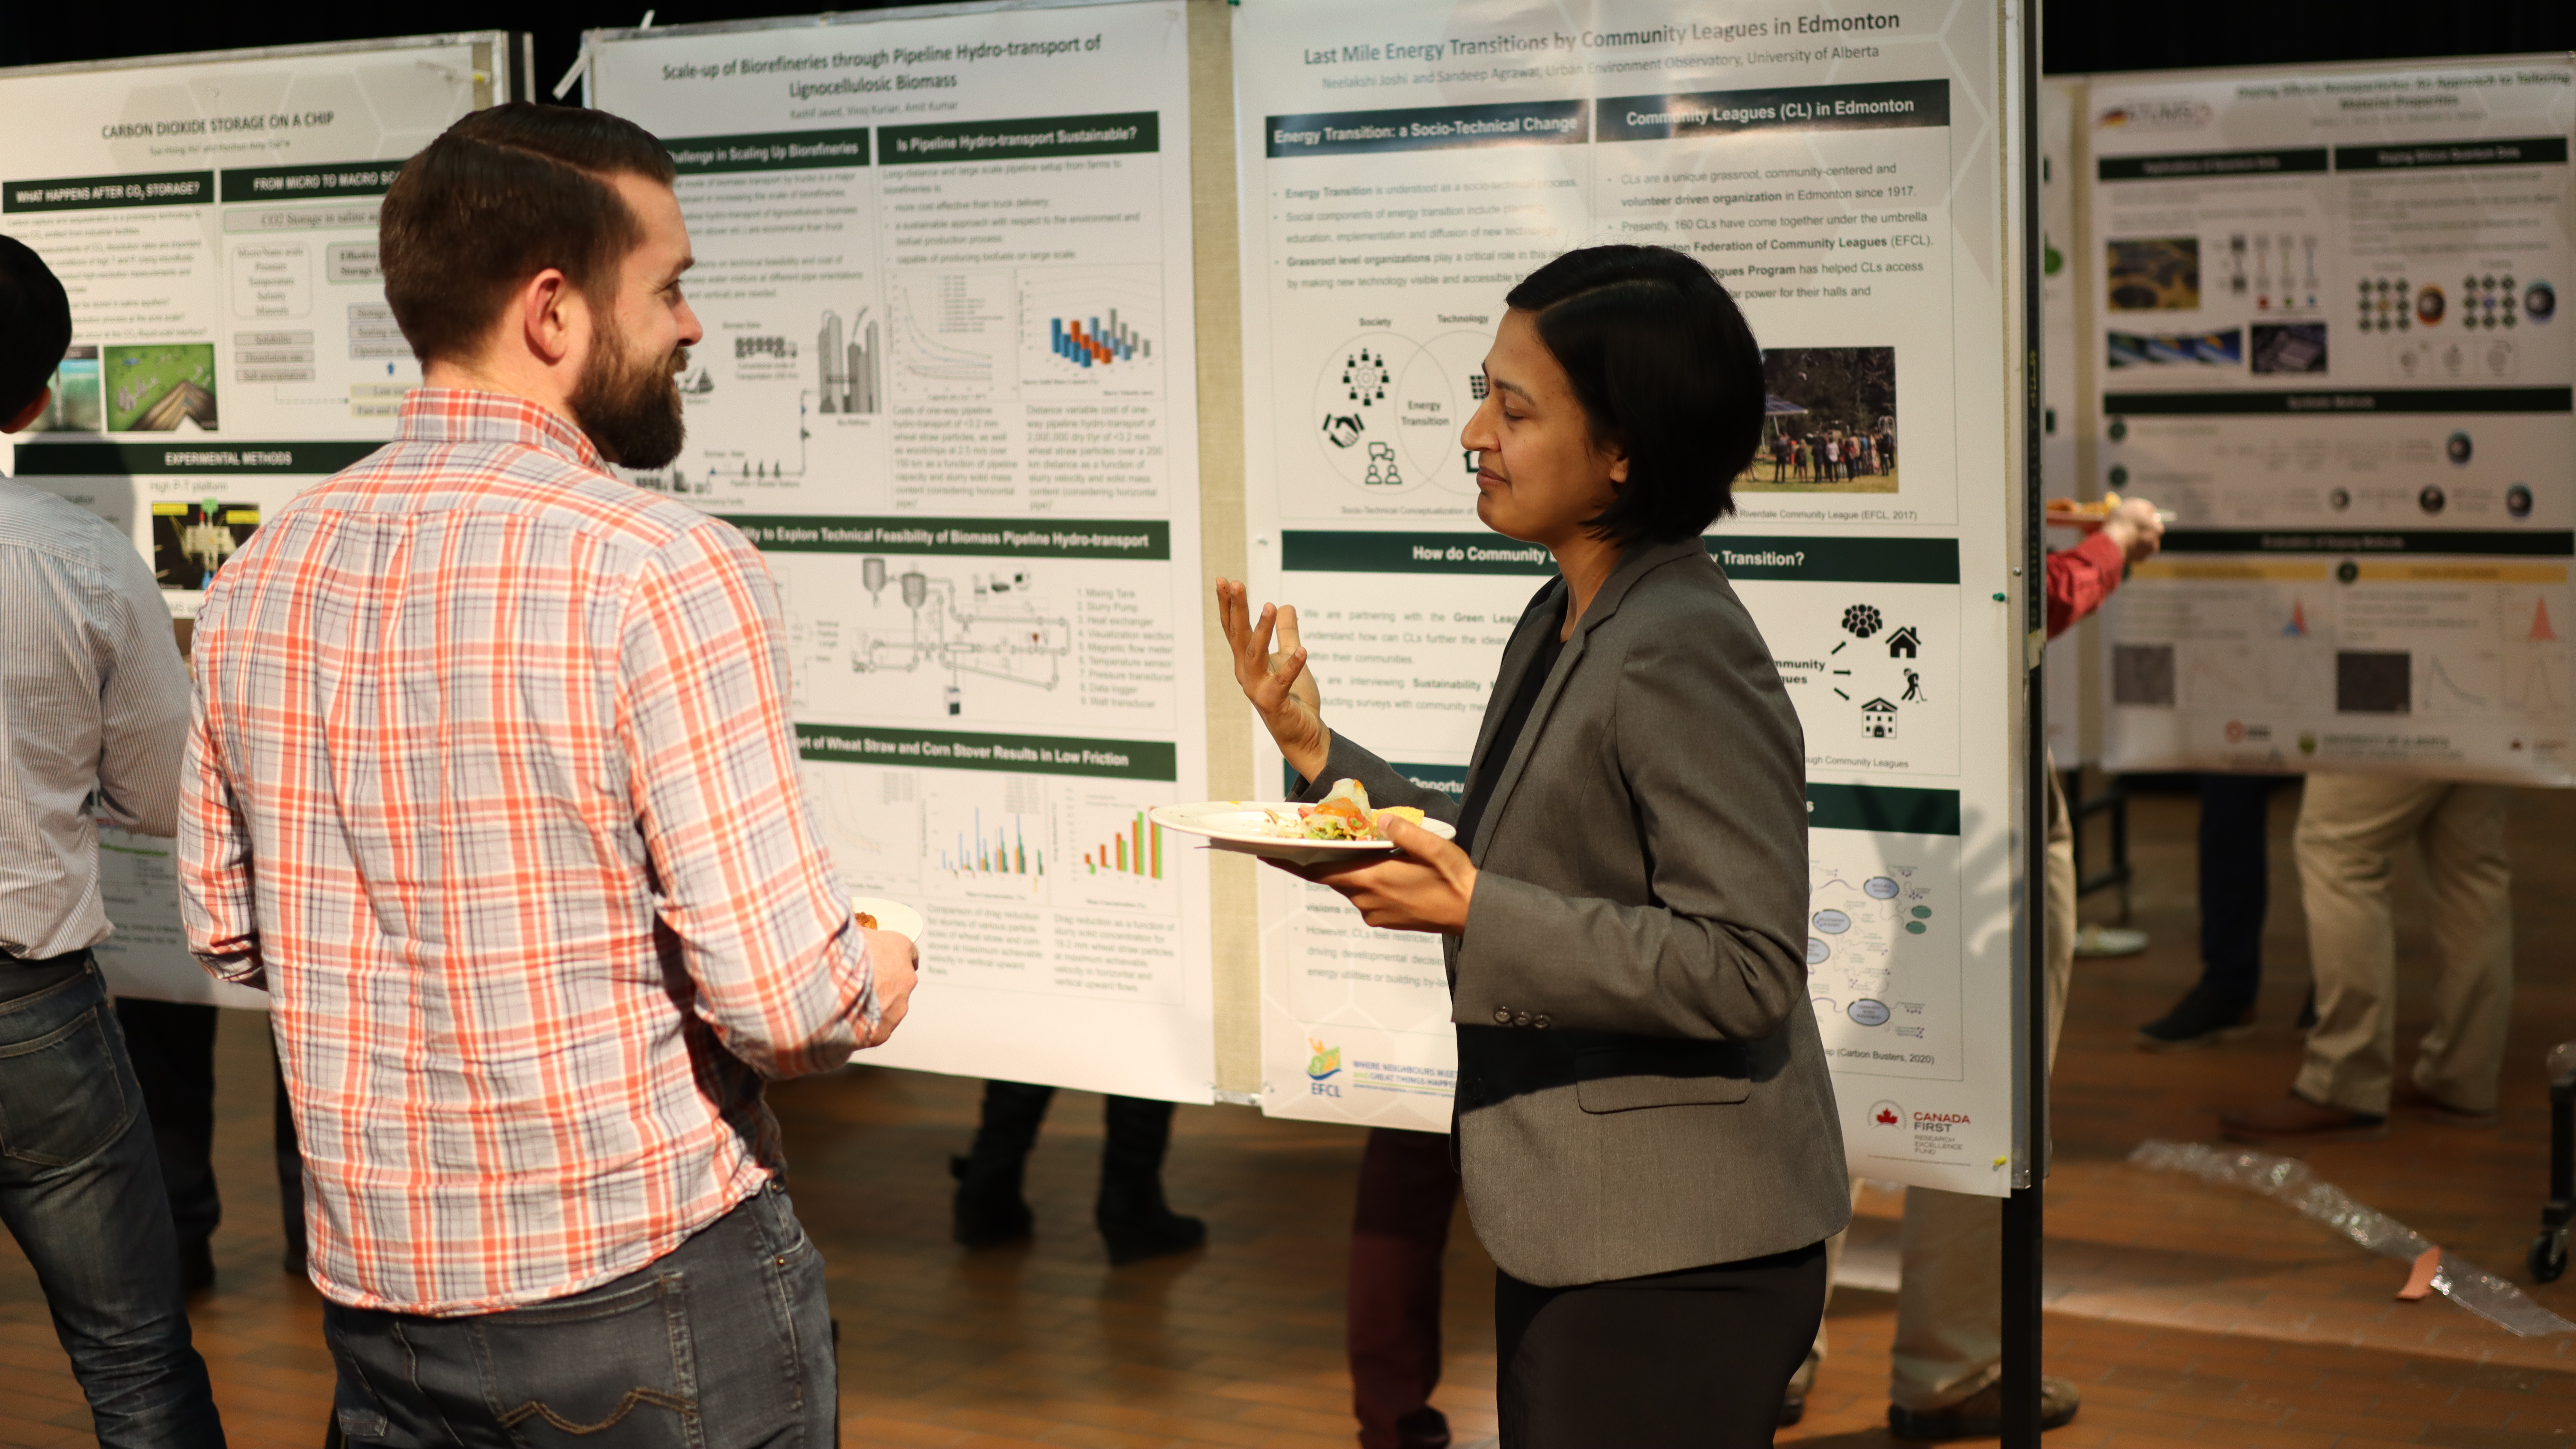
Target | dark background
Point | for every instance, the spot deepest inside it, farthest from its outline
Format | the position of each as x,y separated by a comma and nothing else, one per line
2082,35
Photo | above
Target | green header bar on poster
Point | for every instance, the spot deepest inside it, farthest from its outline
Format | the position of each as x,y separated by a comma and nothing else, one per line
1019,754
2474,542
1147,538
2412,400
1827,560
89,193
309,183
1900,809
2212,165
768,151
1035,138
131,460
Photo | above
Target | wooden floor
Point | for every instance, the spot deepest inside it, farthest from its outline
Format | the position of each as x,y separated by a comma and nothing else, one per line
2190,1314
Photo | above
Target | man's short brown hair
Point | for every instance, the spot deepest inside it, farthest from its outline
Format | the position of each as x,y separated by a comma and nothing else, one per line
503,195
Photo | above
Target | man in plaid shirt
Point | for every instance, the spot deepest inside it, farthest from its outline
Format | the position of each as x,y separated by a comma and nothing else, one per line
491,785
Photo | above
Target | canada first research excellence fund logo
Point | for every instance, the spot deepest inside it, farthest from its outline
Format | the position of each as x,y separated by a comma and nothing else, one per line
1322,1067
1886,1114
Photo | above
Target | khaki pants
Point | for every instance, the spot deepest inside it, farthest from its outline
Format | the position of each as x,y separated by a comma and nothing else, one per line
1949,1299
2350,830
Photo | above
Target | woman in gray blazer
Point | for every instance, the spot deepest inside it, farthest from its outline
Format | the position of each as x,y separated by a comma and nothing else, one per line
1644,1122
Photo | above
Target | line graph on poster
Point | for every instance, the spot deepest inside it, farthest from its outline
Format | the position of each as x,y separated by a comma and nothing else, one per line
952,333
1387,411
871,820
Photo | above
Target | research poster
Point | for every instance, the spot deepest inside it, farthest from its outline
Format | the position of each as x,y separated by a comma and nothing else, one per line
2326,337
948,388
213,218
1401,166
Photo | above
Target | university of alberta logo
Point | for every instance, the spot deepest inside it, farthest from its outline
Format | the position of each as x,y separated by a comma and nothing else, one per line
1886,1114
1324,1065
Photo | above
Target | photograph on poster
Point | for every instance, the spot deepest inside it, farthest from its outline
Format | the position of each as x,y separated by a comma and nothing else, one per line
2289,347
74,406
2224,348
2157,275
159,389
1829,422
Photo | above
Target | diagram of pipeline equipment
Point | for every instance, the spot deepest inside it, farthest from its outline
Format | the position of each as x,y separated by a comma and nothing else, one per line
990,628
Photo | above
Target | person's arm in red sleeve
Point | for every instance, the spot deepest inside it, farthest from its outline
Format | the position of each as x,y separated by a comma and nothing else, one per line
2080,578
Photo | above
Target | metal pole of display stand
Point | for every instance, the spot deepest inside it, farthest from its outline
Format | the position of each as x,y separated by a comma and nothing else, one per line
2022,1217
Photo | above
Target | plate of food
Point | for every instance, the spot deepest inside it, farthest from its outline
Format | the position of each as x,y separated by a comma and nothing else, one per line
2090,514
879,914
1341,825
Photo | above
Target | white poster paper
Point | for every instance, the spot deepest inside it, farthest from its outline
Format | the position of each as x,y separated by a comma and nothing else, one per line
1402,165
949,388
2328,340
213,218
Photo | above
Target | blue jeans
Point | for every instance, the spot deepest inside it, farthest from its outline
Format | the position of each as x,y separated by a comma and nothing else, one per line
725,1342
80,1189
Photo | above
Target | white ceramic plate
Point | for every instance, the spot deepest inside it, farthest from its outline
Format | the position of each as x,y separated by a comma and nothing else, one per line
1237,825
892,916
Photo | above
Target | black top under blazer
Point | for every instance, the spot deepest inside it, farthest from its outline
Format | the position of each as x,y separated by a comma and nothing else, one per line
1641,1086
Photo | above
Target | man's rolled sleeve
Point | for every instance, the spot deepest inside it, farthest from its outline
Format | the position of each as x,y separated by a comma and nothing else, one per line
764,927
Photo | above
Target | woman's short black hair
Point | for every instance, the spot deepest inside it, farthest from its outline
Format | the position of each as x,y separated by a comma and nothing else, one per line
1668,373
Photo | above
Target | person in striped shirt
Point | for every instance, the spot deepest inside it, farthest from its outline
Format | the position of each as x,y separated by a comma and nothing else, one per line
490,784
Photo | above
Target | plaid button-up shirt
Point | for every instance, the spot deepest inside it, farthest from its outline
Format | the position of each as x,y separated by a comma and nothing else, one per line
491,784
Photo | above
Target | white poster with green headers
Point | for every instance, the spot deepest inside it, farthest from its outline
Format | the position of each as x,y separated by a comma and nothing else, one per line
1851,179
213,218
949,389
2326,339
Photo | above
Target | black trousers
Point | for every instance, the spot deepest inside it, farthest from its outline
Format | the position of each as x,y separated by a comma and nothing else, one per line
1131,1159
1696,1359
2235,881
173,1045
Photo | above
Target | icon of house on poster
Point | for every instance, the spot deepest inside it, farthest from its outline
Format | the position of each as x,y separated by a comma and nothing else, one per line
1904,643
1878,720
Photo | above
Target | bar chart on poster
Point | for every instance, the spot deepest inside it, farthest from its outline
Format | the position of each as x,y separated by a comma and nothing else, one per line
213,218
948,388
2327,340
1401,166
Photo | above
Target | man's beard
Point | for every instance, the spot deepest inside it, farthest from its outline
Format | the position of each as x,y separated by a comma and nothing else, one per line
630,406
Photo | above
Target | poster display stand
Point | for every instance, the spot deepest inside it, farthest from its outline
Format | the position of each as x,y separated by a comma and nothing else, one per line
214,219
1851,180
948,388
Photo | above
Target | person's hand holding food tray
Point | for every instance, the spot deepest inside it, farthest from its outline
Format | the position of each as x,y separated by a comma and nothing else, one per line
2091,515
1340,827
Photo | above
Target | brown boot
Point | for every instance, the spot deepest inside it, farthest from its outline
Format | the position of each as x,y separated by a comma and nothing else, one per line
2294,1119
1981,1414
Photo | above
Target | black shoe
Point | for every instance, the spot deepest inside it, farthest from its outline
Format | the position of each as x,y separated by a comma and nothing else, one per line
1138,1224
1135,1239
196,1268
2200,1019
989,1209
2308,1012
1981,1414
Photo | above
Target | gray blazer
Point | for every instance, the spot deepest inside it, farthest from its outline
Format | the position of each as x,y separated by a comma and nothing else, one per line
1641,1087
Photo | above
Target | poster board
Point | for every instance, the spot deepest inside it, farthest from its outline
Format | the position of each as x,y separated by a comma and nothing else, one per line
949,389
1401,165
2327,339
213,217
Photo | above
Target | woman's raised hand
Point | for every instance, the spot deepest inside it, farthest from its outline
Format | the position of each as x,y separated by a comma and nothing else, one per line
1281,688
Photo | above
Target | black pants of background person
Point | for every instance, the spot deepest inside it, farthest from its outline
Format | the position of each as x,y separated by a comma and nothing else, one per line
173,1045
2235,881
1399,1231
1697,1359
1135,1222
724,1340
